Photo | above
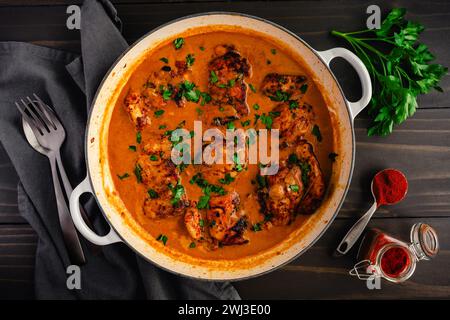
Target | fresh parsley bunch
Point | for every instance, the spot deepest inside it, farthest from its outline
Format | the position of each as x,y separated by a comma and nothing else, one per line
400,69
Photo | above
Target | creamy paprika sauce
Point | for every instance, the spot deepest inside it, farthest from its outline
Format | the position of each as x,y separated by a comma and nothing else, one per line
235,79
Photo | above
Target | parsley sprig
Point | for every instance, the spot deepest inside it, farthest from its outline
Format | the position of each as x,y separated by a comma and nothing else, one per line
400,69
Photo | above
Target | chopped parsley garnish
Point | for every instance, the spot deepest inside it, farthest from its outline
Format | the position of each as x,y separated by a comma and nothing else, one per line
201,223
245,123
267,120
152,194
125,175
189,91
138,137
280,96
177,193
178,43
165,60
166,94
261,180
132,148
166,68
158,113
199,111
154,157
227,179
238,166
306,169
213,77
202,48
257,116
192,245
256,227
252,87
274,113
273,51
138,173
207,189
230,125
163,238
293,104
293,159
203,202
256,106
294,187
316,132
332,156
304,166
303,88
190,60
163,126
206,98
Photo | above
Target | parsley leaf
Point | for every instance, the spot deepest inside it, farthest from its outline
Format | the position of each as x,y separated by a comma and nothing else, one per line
177,193
213,77
190,60
138,137
400,70
138,173
280,96
163,238
227,179
178,43
125,175
316,132
152,194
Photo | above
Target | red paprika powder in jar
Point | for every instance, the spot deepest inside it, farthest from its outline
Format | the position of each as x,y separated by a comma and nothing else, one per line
393,259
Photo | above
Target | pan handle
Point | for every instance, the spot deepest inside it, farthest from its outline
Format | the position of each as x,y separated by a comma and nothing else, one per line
361,70
82,227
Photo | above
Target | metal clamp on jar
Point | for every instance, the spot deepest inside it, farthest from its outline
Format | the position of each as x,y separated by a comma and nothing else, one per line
382,255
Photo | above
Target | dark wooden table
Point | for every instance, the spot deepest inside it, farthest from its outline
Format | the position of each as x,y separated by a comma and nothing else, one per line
420,147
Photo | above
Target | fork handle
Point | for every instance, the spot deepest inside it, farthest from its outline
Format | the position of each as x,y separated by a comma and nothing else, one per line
69,232
68,189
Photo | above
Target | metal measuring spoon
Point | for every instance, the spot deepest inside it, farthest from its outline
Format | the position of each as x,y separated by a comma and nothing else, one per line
355,232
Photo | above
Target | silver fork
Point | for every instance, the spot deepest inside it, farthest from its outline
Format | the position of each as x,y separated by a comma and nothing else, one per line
50,134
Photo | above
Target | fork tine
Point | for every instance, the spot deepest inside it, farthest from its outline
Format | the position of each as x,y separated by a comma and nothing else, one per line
41,114
48,111
31,123
38,122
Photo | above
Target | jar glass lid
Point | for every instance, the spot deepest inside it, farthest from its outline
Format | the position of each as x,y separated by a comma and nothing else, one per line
424,241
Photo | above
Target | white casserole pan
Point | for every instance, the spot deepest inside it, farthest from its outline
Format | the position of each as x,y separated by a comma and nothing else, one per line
99,181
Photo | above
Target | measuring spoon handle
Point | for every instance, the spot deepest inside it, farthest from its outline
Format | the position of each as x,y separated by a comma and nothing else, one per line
355,232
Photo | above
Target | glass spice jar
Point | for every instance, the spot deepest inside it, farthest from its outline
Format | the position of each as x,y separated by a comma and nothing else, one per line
393,259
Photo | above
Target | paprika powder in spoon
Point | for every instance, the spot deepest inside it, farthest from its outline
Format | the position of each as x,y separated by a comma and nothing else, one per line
389,186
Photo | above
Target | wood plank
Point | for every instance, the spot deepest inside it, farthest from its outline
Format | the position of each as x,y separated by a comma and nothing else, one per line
317,274
78,2
421,149
17,254
9,211
313,23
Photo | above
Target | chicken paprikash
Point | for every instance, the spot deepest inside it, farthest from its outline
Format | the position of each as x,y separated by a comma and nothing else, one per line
227,80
